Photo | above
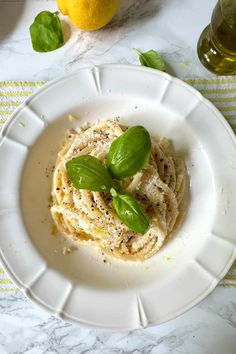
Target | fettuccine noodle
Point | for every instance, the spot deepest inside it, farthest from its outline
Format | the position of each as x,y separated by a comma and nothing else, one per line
88,217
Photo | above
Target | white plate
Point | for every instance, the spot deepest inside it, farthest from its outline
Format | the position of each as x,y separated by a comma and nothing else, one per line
80,286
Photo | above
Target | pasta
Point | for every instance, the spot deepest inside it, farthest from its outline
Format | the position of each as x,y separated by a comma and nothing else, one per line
88,217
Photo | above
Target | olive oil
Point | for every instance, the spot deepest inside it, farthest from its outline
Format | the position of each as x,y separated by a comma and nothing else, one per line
217,43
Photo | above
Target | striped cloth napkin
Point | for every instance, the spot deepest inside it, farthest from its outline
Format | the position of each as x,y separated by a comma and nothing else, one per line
220,91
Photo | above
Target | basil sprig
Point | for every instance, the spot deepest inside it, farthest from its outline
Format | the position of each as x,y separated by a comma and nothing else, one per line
130,212
129,153
45,32
87,172
151,59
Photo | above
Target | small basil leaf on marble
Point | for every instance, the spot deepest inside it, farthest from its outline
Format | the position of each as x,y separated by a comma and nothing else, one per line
129,153
130,212
151,59
46,32
87,172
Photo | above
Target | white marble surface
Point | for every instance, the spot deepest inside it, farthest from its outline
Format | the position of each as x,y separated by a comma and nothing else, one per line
172,27
209,328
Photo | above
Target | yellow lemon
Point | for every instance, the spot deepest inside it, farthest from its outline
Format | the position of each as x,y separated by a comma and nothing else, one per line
89,14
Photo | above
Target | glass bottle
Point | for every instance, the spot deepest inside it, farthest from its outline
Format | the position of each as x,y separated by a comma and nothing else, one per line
217,44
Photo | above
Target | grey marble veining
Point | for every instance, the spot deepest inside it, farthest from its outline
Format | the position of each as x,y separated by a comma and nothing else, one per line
171,27
209,328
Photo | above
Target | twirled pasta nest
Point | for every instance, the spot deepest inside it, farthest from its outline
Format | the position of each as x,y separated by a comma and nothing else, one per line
88,217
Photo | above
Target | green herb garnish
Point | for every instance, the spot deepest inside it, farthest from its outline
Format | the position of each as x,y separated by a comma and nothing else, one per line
128,154
151,59
87,172
45,32
130,212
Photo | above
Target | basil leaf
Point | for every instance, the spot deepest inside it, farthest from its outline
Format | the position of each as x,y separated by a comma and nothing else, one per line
129,153
45,32
130,212
87,172
117,185
151,59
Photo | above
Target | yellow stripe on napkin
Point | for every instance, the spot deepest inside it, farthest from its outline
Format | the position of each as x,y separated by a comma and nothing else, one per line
220,91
